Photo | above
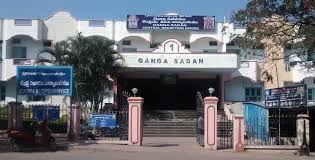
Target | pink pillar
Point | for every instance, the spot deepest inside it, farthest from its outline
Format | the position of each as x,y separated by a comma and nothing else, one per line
135,128
238,133
73,129
210,122
15,115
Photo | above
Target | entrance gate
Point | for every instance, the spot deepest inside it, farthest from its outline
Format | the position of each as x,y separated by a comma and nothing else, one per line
224,126
113,121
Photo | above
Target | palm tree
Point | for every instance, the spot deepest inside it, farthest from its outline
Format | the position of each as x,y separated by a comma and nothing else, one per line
93,59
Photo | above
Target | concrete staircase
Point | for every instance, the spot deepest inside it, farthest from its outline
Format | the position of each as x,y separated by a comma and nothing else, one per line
172,123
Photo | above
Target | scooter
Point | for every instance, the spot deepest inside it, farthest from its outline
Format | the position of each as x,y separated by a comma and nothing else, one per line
27,138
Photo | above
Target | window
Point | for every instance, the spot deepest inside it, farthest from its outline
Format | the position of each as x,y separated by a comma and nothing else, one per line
126,42
311,56
2,93
311,94
253,94
213,43
129,49
0,54
18,52
35,98
237,51
16,41
96,23
23,22
47,43
230,44
210,51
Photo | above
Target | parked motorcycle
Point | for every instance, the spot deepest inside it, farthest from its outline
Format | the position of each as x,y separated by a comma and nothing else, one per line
27,138
86,134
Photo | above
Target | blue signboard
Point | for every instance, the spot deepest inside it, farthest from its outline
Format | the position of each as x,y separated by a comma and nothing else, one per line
45,112
289,97
44,80
102,120
170,22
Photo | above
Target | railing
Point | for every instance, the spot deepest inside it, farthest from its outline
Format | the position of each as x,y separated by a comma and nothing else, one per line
200,118
224,133
118,132
266,132
36,113
3,117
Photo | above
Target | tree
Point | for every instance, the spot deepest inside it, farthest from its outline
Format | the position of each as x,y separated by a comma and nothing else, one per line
93,60
287,23
285,27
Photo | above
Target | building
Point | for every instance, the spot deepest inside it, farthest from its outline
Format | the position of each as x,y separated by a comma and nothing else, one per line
178,61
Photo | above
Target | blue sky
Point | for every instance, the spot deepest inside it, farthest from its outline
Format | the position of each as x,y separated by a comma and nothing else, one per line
117,9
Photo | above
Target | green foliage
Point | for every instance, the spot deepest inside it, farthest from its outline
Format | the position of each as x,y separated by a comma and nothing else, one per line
93,59
285,22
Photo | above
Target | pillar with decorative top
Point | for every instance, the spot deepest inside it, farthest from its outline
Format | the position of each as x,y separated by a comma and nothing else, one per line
210,121
135,125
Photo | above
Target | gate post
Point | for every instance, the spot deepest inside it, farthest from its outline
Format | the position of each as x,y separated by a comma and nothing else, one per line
238,133
73,128
135,121
15,115
303,136
210,123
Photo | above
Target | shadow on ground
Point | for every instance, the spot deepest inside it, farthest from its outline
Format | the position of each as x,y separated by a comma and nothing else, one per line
159,145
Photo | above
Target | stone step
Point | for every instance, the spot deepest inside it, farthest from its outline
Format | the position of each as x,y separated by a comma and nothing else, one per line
170,135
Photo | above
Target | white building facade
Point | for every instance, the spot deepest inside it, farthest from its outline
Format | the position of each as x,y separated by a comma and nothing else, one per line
168,66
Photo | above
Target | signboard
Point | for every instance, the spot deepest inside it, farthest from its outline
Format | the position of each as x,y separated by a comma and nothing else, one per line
44,80
170,22
102,120
157,60
42,112
290,97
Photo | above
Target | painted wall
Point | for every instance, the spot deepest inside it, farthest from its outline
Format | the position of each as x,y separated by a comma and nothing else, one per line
248,69
34,30
136,42
235,89
61,25
203,44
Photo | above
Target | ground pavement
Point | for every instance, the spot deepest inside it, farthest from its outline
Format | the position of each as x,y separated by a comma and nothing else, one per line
152,149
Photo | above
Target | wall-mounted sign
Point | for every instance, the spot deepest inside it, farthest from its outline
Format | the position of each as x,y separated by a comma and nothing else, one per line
170,22
289,97
102,120
45,112
44,80
174,60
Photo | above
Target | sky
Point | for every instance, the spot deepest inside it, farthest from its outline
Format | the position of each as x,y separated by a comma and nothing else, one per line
118,9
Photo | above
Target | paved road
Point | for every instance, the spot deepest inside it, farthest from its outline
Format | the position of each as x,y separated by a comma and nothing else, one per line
153,149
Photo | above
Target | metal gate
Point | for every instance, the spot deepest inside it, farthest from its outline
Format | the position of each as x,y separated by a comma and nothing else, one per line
224,132
119,129
200,119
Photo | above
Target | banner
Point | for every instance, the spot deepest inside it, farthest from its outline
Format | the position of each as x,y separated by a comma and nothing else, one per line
45,112
170,22
102,120
44,80
289,97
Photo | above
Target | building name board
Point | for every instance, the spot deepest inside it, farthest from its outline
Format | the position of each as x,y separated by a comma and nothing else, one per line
173,61
170,22
180,60
44,80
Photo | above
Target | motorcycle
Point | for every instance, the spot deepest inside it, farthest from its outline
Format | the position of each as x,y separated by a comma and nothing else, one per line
28,138
86,134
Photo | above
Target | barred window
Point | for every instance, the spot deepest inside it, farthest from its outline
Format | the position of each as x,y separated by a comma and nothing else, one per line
253,94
